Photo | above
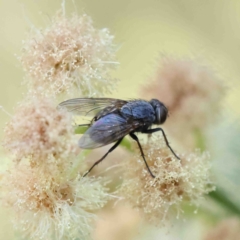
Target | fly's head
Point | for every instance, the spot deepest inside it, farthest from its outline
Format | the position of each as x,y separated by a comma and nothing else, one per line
161,111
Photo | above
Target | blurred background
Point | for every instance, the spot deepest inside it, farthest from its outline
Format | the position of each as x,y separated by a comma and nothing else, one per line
208,30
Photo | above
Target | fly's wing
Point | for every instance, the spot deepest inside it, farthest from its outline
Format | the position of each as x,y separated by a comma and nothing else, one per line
91,106
106,130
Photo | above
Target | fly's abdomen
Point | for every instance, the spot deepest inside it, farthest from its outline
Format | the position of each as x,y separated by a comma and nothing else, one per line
106,130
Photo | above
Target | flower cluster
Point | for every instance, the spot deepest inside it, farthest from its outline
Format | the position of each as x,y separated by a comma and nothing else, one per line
44,184
192,93
69,54
49,196
40,131
48,207
175,181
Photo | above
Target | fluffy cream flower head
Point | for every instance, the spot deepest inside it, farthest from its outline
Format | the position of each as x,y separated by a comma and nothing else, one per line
69,53
192,93
40,132
176,181
49,208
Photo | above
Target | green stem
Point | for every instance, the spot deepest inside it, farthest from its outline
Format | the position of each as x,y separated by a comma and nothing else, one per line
199,139
78,162
223,200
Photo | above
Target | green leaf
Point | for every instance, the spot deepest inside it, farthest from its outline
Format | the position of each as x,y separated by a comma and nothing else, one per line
127,144
80,129
222,199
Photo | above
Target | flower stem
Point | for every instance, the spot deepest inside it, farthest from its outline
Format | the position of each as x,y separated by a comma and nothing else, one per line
199,139
220,197
79,162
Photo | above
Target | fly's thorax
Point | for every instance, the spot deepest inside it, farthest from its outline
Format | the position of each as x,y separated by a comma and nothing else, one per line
139,110
161,111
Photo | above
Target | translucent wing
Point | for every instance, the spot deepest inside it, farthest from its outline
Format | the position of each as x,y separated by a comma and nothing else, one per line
106,130
91,106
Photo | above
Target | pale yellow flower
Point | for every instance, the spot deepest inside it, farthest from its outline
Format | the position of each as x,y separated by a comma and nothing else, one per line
70,53
176,181
192,93
46,207
41,133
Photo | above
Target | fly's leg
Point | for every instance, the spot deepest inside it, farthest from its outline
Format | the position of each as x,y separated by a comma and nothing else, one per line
134,137
149,131
149,136
84,125
101,159
80,129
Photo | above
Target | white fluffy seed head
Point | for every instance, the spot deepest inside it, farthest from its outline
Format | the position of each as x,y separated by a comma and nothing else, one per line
51,208
176,181
42,134
69,54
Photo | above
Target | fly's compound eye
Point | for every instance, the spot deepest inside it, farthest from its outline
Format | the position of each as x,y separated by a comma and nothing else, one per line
161,114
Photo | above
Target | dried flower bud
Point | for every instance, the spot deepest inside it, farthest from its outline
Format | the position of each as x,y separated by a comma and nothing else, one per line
192,94
176,181
41,133
69,53
49,208
228,229
120,222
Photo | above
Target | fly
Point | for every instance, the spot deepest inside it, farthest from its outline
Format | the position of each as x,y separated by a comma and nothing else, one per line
113,119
